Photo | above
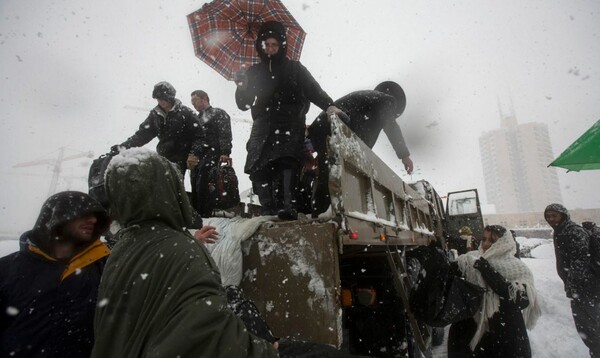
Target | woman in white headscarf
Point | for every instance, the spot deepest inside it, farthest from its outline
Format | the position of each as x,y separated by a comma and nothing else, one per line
509,306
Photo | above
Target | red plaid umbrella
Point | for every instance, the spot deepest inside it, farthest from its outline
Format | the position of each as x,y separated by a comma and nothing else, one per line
224,32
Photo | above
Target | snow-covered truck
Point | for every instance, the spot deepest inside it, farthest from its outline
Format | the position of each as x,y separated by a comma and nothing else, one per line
344,279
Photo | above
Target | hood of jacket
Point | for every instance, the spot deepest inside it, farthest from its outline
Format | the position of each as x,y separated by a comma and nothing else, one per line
562,210
271,29
144,186
61,208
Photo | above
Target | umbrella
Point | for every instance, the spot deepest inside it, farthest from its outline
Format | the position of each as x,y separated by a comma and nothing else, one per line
583,154
224,32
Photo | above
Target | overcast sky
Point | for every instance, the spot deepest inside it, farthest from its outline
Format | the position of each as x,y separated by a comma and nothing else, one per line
79,74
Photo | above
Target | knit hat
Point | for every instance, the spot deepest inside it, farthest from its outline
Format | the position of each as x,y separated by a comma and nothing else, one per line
465,230
559,209
393,89
165,91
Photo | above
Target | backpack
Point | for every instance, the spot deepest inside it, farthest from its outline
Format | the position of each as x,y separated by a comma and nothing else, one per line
96,179
223,190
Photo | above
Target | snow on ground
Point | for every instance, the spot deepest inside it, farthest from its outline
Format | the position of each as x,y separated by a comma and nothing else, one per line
554,335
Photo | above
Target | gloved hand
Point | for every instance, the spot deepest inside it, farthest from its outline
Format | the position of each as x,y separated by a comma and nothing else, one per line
241,78
114,150
481,264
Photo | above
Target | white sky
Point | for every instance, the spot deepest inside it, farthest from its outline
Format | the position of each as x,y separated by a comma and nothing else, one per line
76,73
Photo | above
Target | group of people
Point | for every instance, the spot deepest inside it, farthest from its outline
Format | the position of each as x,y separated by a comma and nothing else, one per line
195,141
65,293
278,91
509,306
158,292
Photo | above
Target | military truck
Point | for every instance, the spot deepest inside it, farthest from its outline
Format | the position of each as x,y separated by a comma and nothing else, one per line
344,279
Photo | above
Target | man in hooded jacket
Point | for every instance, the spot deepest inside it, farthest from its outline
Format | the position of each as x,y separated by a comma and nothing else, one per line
161,292
279,92
48,289
177,127
368,112
571,245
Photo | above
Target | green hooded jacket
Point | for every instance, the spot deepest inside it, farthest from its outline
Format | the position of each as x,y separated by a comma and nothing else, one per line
161,293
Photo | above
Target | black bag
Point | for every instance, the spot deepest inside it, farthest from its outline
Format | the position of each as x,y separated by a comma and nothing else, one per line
96,179
223,190
439,297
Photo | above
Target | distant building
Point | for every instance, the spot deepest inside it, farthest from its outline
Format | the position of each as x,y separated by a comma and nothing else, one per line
514,159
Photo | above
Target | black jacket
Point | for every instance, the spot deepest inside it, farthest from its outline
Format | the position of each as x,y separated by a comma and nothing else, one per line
179,133
216,125
572,258
46,305
369,112
279,94
506,335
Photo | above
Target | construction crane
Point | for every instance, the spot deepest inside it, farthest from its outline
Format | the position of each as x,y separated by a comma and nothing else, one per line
56,165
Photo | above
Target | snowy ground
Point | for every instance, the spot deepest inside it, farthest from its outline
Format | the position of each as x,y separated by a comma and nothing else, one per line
553,337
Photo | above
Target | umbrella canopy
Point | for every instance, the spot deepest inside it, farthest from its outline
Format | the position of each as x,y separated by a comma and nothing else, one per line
583,154
224,32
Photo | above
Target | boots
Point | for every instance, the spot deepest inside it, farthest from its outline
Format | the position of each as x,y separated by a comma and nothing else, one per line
289,181
264,190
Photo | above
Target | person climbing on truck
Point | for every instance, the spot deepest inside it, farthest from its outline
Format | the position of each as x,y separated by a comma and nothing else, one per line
368,113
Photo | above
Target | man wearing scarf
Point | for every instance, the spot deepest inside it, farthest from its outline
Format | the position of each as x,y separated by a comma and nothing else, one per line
509,306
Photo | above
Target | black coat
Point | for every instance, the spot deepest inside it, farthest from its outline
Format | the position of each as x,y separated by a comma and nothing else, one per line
571,245
47,305
279,95
42,316
216,125
594,249
179,133
369,112
506,335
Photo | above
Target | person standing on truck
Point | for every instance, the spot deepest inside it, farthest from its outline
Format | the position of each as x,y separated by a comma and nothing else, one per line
177,127
161,292
216,126
571,247
48,289
368,113
509,305
279,92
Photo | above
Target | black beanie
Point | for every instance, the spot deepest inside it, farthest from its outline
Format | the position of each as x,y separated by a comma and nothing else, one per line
393,89
165,91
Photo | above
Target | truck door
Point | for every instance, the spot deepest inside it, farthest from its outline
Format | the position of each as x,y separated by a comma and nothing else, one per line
463,209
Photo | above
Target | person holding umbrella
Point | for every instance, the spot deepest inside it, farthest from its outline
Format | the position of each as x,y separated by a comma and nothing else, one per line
279,92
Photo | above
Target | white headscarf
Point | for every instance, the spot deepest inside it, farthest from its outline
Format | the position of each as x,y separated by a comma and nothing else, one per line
501,257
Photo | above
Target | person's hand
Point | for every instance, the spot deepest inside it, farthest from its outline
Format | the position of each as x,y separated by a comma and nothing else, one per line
481,263
241,78
207,234
408,164
192,161
333,110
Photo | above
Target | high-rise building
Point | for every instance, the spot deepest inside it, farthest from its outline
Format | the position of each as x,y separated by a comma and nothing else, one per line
515,159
